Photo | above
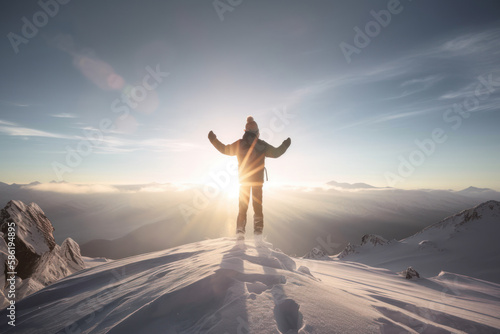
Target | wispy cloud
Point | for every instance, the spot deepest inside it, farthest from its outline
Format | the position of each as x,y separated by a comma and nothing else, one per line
375,74
108,144
12,129
479,52
88,189
7,123
479,43
465,90
386,117
117,145
14,104
64,115
484,44
70,188
426,82
400,115
418,85
158,188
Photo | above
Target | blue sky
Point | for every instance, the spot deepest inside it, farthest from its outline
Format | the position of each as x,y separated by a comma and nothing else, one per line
433,68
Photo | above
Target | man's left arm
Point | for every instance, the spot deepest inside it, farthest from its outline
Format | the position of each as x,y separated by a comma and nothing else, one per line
276,152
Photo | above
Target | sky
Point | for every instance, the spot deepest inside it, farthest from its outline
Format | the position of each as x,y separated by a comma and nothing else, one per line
391,93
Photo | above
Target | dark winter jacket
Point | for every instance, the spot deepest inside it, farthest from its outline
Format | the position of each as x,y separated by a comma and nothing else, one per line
251,153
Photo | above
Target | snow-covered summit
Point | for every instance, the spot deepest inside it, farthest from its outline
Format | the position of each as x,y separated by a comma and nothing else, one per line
226,286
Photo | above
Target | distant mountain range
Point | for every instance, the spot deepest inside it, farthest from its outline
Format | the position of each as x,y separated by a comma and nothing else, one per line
335,184
119,221
475,190
350,185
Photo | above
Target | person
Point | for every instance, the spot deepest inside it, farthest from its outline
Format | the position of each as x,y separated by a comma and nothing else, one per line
251,153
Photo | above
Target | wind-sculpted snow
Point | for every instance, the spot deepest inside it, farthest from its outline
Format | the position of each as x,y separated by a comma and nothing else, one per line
226,286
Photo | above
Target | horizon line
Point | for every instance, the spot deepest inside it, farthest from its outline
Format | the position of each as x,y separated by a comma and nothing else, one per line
269,184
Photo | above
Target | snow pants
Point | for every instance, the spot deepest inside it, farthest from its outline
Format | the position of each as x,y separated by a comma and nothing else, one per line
258,217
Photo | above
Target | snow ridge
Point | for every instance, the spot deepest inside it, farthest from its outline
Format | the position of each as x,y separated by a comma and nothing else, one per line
489,209
470,235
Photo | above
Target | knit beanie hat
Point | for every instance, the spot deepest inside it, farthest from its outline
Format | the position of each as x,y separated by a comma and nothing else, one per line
251,125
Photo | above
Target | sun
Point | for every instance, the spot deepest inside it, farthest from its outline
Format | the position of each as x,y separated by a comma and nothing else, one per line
232,190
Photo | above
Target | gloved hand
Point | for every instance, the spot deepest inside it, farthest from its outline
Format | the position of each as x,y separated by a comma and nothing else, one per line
287,142
211,135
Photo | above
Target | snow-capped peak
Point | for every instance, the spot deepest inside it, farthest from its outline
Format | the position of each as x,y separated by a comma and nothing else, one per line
373,239
474,190
487,210
32,226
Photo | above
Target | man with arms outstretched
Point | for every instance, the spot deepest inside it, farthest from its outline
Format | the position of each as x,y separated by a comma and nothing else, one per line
251,153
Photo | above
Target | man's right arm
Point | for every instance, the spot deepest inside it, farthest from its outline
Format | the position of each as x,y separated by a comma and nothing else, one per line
224,149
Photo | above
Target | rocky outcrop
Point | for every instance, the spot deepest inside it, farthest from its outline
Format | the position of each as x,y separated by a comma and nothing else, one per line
410,273
349,249
39,261
372,239
33,234
368,240
317,254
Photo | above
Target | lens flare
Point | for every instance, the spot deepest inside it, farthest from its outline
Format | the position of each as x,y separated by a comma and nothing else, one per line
99,72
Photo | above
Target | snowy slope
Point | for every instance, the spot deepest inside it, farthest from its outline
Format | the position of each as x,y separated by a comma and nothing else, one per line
466,243
91,262
222,286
